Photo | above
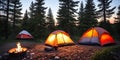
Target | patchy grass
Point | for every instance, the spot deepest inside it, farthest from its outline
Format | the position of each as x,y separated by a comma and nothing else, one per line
107,53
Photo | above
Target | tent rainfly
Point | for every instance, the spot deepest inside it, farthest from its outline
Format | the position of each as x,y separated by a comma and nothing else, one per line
24,35
58,38
96,35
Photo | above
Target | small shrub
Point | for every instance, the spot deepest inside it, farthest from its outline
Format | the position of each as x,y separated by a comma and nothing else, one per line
109,53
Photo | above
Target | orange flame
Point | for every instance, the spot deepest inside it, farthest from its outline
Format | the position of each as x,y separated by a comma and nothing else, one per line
19,48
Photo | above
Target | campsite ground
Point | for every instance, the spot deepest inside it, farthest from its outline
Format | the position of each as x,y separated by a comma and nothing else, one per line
36,51
74,52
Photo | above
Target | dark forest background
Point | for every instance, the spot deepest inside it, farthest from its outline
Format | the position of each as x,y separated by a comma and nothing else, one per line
74,21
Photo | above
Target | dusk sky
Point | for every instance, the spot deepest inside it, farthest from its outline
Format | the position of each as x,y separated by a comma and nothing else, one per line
54,5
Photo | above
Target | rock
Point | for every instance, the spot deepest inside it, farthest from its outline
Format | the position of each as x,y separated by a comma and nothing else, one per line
56,58
48,49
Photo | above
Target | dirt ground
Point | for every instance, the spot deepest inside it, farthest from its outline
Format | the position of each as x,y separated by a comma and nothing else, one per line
74,52
37,52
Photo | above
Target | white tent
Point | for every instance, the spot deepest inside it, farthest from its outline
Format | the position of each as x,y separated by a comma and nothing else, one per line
24,35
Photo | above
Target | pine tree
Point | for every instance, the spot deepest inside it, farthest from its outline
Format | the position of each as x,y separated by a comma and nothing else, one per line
2,17
118,14
39,9
15,16
11,14
118,23
89,18
90,10
26,16
25,20
32,9
81,17
2,9
66,14
105,9
50,20
6,20
31,21
81,11
38,22
16,12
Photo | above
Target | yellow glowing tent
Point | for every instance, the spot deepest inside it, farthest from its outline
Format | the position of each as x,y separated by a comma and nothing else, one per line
96,35
58,38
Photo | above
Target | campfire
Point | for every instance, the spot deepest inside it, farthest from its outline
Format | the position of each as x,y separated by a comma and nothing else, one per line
19,51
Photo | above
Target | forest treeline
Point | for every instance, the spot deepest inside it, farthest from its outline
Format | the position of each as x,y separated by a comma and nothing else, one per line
74,21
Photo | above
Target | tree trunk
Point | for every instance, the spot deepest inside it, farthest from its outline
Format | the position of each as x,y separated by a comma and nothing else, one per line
14,19
104,13
6,21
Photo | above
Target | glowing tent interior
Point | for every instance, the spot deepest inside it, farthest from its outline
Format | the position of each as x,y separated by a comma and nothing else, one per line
96,35
58,38
24,35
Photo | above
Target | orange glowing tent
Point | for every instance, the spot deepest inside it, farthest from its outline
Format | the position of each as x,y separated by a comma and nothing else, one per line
58,38
24,35
96,35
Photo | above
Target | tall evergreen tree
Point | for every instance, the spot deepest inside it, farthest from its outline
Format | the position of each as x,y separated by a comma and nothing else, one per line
2,17
32,9
81,11
118,14
31,22
16,12
50,20
6,20
81,17
11,13
2,9
5,15
118,23
38,22
66,14
90,10
105,9
89,18
26,16
25,20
